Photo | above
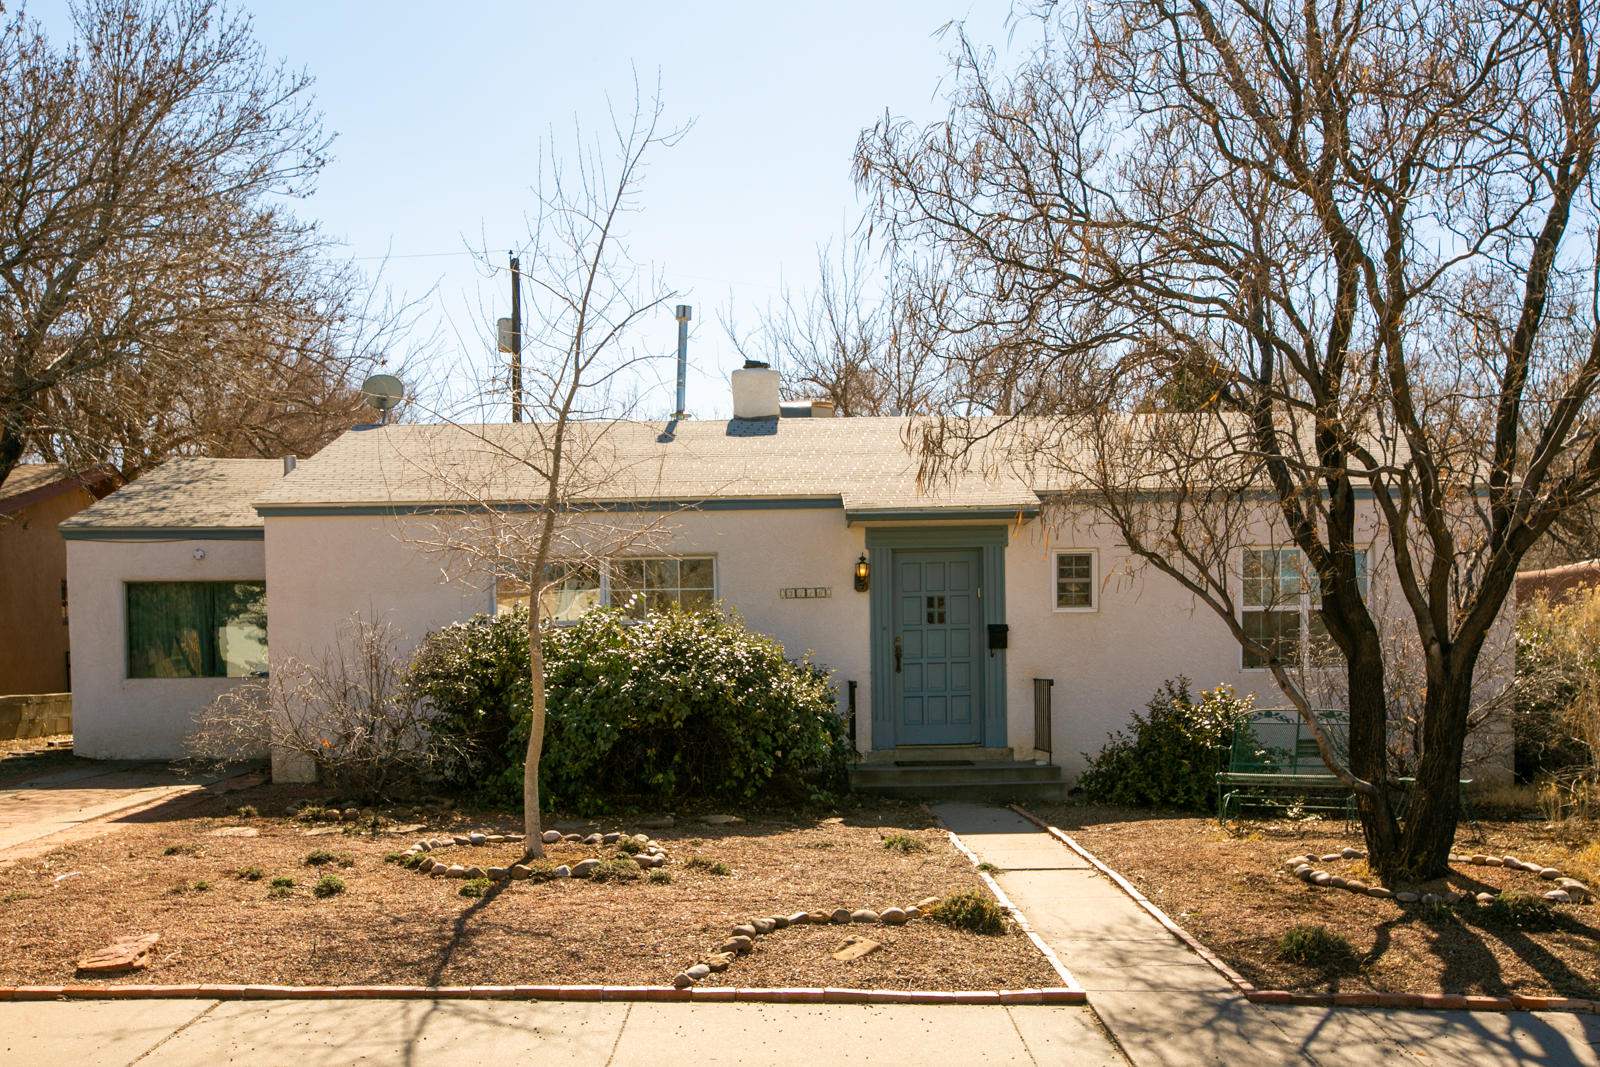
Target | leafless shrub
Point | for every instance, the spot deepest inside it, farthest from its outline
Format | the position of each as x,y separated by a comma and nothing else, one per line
349,714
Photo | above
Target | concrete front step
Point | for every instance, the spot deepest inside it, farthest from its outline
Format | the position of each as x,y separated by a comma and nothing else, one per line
939,754
987,778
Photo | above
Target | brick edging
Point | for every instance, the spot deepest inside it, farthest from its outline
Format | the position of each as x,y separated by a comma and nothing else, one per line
797,995
1428,1001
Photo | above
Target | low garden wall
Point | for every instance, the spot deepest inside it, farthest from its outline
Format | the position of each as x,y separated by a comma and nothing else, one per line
35,715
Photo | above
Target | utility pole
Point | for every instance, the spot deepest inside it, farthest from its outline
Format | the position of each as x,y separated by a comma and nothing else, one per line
516,340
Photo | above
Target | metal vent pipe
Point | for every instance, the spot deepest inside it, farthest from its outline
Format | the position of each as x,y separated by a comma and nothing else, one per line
684,313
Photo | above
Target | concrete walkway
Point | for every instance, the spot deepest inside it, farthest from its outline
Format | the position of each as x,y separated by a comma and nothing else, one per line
1165,1005
45,806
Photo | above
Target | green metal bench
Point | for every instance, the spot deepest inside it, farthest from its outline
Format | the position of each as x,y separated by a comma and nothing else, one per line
1274,762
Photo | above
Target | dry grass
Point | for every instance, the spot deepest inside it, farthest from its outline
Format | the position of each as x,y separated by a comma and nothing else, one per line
394,926
1230,891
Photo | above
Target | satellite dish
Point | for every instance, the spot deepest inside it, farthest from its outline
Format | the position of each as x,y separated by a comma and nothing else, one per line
383,391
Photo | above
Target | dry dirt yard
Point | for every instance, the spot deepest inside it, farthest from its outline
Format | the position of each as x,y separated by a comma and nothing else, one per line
1229,889
207,891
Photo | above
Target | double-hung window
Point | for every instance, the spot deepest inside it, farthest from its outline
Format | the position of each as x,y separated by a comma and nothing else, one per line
1281,604
196,629
636,585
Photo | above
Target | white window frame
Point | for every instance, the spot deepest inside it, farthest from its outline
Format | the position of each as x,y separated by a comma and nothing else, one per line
1309,586
604,567
1094,581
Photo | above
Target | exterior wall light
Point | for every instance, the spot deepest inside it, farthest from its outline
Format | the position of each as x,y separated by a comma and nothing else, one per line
863,573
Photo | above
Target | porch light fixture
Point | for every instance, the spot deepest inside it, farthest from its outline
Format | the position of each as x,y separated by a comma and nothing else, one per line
863,573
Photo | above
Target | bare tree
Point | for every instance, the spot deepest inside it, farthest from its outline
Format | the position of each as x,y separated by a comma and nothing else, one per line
156,294
849,340
1378,221
540,498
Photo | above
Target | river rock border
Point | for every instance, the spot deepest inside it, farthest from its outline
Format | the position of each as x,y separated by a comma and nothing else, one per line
652,856
741,940
1305,867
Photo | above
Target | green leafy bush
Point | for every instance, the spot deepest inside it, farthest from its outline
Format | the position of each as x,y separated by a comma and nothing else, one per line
250,874
475,887
683,704
970,910
318,857
1518,909
709,865
660,876
617,869
1171,754
905,843
1315,946
281,881
475,676
328,885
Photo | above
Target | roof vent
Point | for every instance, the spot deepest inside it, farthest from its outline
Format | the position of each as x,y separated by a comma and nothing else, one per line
755,391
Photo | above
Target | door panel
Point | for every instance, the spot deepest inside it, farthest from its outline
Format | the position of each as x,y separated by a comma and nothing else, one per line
937,683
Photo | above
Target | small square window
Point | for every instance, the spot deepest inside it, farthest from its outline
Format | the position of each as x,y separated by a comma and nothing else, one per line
935,609
1075,581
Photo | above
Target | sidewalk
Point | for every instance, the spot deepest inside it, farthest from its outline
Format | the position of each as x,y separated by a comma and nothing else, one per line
199,1033
47,805
1165,1005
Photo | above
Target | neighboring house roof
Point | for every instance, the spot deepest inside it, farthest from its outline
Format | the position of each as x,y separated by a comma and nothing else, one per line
862,464
191,495
29,483
1557,583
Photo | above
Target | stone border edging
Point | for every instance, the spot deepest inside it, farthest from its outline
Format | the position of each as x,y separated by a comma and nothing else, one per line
1005,902
1305,867
650,855
786,995
1427,1001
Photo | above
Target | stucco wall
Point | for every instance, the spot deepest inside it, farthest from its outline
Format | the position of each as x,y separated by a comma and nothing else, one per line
33,561
322,570
117,717
1147,628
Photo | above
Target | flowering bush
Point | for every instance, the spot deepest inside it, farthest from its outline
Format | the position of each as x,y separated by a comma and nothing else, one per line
683,704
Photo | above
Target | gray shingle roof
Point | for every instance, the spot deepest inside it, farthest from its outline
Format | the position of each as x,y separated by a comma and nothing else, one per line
862,463
185,493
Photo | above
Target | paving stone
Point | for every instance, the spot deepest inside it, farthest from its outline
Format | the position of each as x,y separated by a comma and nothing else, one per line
853,948
121,956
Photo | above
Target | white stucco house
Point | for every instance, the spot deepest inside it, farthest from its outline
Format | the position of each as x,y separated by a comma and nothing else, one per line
987,636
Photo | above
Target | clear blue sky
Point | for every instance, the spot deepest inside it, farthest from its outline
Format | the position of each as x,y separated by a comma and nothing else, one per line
440,110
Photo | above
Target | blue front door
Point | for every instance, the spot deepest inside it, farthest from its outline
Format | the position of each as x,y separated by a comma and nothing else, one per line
938,658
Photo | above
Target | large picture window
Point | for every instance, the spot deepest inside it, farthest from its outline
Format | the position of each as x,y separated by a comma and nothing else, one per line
1281,602
196,629
637,585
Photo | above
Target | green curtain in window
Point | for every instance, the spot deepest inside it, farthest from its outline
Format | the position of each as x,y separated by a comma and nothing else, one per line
196,629
168,624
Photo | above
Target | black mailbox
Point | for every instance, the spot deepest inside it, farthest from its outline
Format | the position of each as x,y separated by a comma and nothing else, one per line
998,632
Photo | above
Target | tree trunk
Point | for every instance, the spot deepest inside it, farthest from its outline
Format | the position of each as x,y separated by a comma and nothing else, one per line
10,450
534,833
1431,819
1369,754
